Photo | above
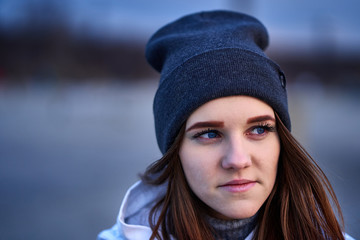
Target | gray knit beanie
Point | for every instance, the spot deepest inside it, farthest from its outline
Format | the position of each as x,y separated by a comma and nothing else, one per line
209,55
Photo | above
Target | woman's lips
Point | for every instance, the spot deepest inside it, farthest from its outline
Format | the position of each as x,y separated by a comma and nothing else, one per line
236,186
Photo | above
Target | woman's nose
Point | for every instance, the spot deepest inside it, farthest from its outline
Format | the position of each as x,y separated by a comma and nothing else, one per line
237,155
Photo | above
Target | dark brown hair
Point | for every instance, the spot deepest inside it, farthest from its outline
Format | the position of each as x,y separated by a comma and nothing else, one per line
298,207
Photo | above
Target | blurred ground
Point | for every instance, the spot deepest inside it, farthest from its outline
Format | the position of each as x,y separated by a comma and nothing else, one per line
69,152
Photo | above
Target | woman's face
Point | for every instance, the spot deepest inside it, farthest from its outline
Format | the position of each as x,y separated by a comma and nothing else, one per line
230,154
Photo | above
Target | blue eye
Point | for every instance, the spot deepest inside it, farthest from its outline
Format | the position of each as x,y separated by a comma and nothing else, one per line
207,134
262,130
211,135
259,130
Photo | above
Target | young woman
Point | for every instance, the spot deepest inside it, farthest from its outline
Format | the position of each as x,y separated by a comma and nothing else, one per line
231,168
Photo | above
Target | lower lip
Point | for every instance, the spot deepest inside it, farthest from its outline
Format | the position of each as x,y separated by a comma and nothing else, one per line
236,188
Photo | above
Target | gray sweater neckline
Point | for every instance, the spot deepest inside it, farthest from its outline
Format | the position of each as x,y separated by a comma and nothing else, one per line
237,229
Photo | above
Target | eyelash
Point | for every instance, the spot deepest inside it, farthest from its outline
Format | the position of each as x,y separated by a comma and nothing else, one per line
266,126
198,134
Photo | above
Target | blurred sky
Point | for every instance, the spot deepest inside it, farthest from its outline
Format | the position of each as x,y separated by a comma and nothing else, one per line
299,22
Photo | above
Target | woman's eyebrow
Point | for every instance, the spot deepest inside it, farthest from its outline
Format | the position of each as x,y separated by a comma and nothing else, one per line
209,124
260,119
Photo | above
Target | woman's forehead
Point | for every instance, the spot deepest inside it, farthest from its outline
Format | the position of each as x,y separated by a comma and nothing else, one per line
233,107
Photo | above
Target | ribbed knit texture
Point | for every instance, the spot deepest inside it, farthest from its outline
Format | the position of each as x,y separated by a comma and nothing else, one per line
237,229
210,55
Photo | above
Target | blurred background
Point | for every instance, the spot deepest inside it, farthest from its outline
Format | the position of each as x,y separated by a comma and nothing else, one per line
76,123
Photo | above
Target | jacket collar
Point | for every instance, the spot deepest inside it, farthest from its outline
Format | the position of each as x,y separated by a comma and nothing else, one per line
135,208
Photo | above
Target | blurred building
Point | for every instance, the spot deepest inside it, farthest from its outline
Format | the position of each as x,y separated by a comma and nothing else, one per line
53,40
